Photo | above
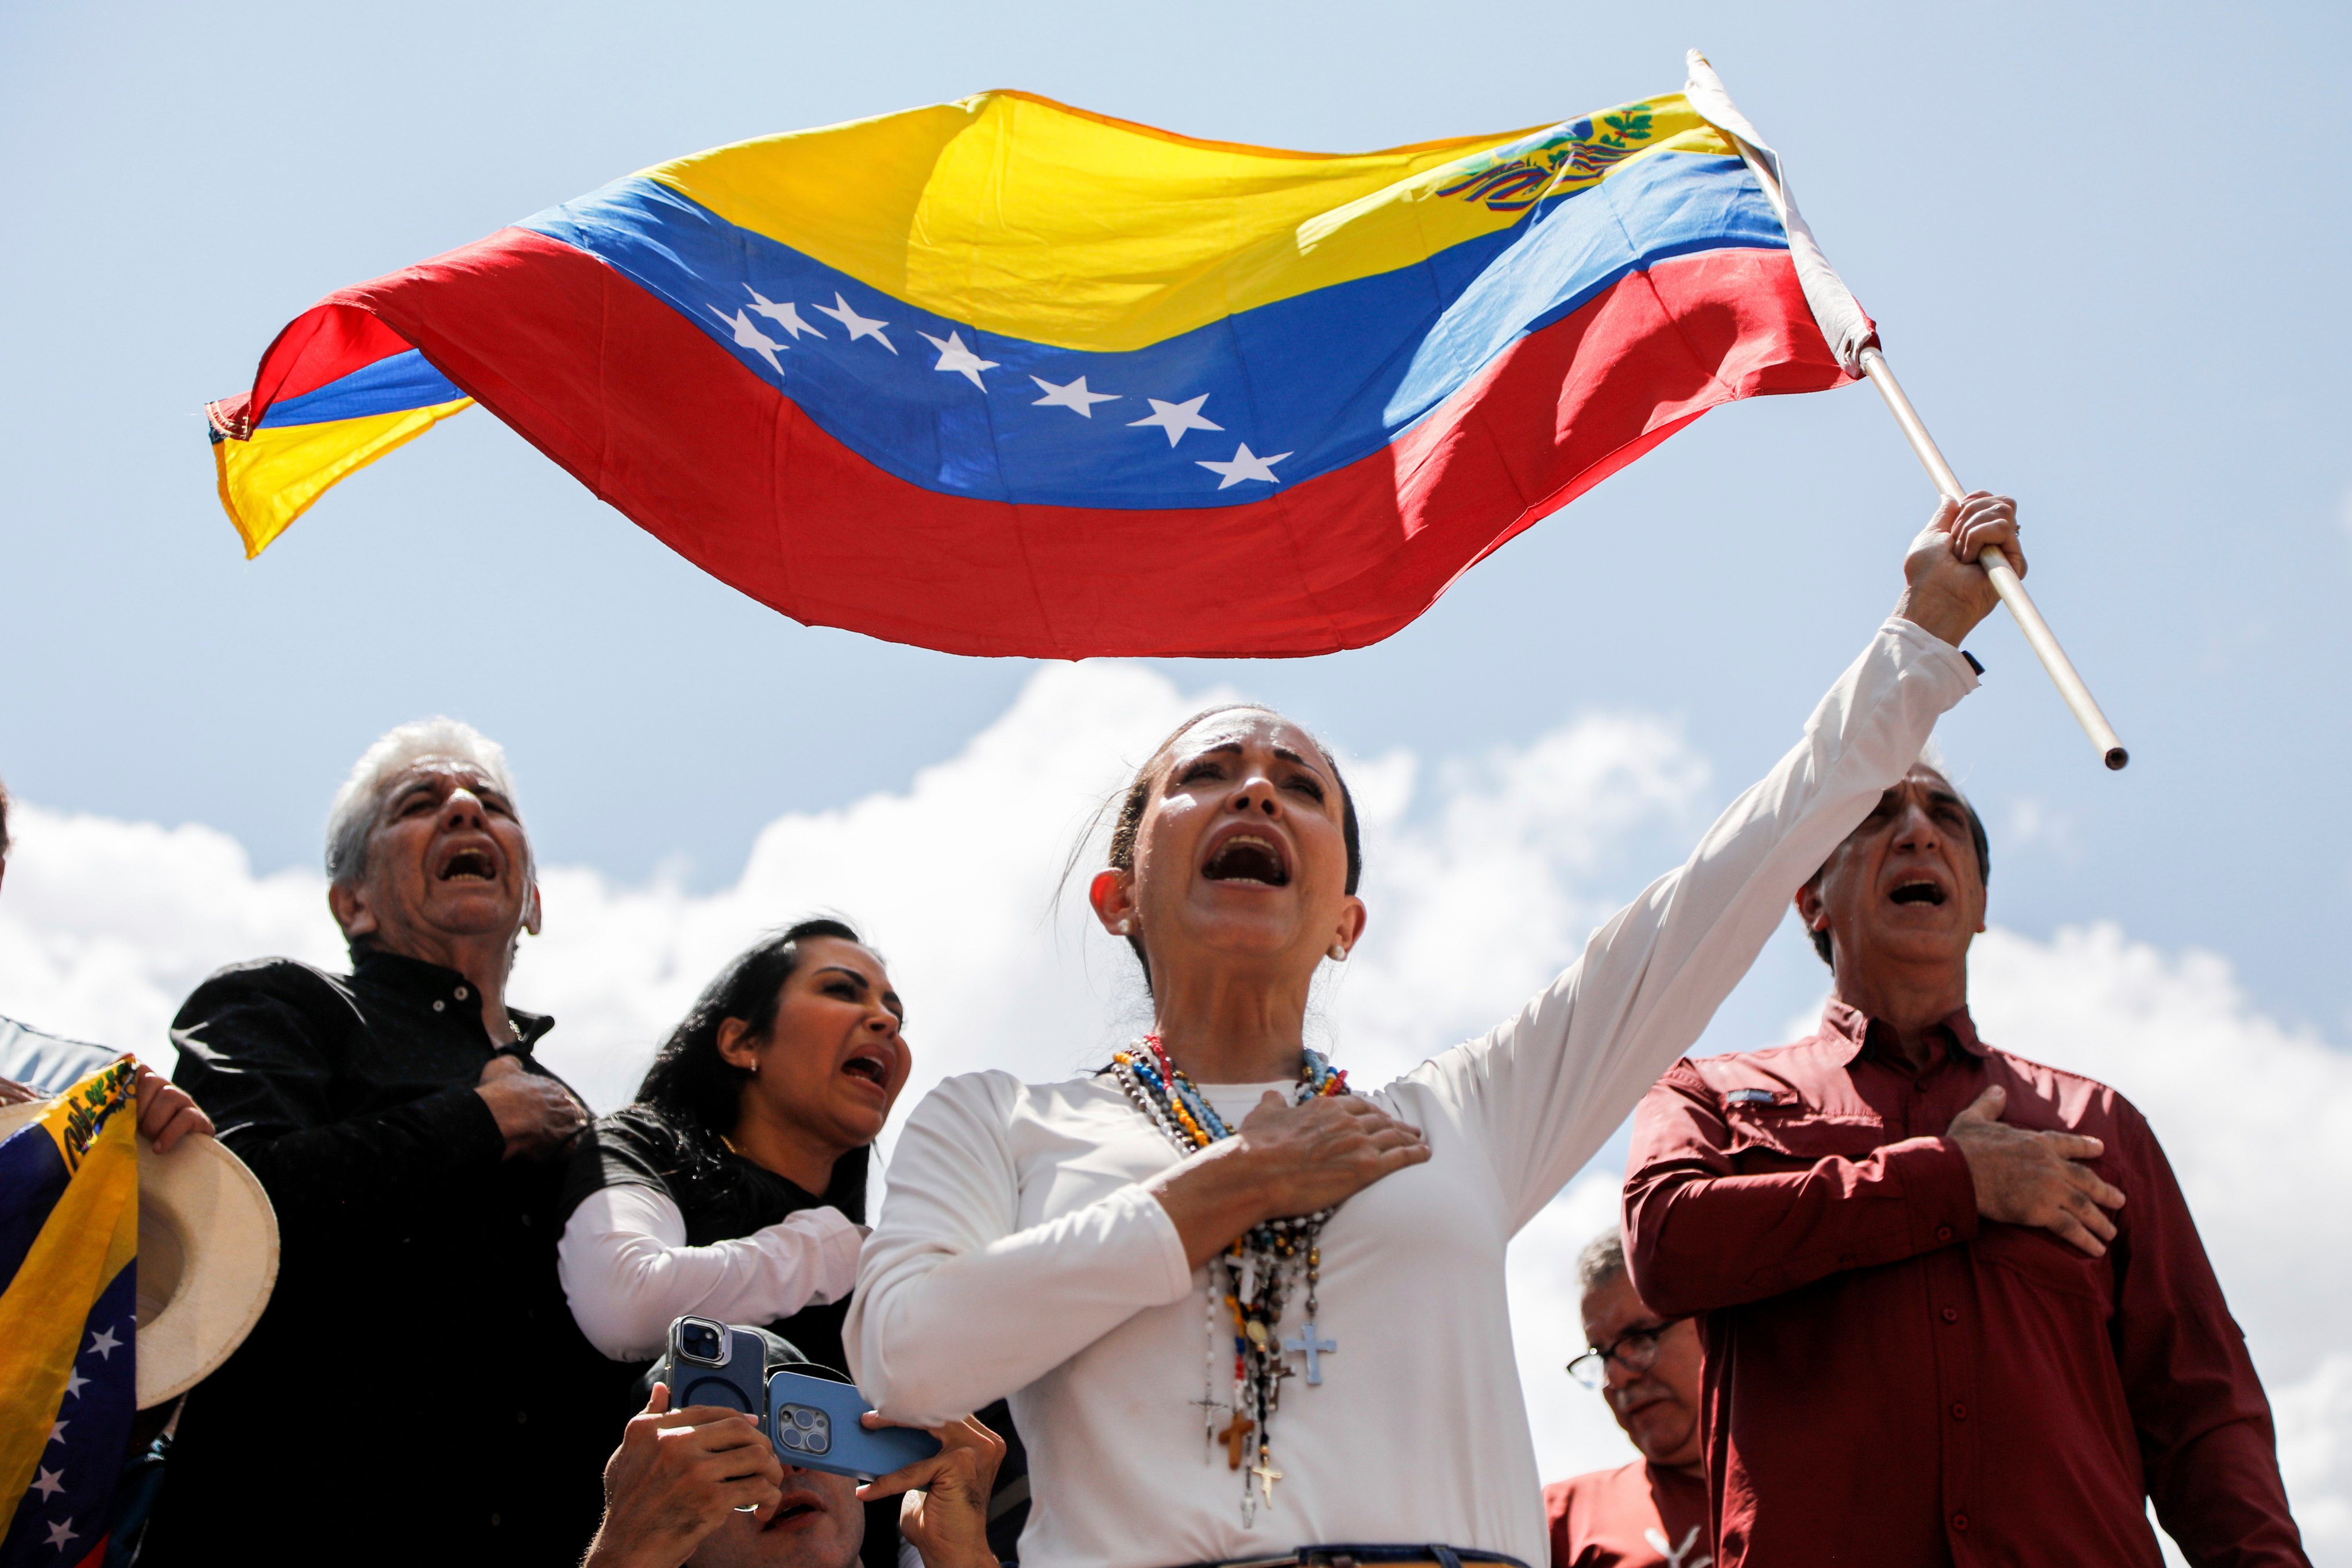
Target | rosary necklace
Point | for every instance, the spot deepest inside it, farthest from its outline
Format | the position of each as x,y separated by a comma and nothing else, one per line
1248,1284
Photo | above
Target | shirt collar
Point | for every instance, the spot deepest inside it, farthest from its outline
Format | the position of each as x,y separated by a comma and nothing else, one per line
1848,1029
414,977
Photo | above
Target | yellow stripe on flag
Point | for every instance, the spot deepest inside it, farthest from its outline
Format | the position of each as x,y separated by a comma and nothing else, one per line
270,480
1022,215
91,1232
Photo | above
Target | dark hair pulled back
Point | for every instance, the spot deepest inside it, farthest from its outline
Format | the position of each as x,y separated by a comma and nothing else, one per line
1132,804
690,1081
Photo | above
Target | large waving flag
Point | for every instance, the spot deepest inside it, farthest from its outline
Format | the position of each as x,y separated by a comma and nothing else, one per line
69,1379
1002,376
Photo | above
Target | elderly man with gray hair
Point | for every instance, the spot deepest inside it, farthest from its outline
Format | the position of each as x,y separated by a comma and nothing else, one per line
416,1387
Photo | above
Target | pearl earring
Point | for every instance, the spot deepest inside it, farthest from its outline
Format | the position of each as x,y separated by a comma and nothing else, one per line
1126,928
1339,953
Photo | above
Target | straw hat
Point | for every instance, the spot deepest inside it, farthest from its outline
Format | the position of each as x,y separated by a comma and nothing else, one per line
207,1258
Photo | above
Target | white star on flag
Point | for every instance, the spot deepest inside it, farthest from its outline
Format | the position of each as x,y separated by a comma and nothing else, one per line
1246,465
1177,417
750,337
786,315
49,1483
859,326
73,1381
58,1431
954,356
1074,396
104,1345
59,1533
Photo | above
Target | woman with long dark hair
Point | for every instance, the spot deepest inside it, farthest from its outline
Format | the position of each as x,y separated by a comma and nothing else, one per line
734,1188
1243,1308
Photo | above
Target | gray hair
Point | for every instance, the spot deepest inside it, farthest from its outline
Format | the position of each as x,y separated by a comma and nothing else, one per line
1602,1259
360,802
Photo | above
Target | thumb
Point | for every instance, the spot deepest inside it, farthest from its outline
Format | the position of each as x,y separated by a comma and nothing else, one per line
1986,1106
657,1402
498,1066
1272,1098
1948,513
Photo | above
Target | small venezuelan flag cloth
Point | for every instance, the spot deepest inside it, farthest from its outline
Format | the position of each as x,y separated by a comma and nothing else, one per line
1002,376
69,1383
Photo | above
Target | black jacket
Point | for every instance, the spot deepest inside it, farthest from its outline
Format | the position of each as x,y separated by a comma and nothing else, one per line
416,1391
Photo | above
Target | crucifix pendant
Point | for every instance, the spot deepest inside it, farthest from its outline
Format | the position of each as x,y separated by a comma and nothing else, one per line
1210,1405
1236,1437
1266,1474
1313,1349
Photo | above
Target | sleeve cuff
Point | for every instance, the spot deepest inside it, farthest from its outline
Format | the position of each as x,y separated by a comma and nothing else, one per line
467,1120
1920,646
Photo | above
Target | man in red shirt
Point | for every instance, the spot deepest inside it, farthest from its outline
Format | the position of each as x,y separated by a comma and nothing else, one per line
1955,1310
1651,1513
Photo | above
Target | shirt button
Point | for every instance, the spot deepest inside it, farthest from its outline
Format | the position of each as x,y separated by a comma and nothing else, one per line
1959,1411
1951,1314
1959,1521
521,1417
461,994
1943,1232
494,1521
439,1005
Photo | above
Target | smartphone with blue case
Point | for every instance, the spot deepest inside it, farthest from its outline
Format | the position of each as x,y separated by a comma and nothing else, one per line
711,1364
814,1423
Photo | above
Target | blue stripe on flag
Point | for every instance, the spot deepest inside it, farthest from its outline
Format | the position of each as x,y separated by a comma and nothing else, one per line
390,385
1328,377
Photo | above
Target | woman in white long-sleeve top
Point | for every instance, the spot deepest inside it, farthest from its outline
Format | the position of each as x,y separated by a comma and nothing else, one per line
735,1186
1208,1362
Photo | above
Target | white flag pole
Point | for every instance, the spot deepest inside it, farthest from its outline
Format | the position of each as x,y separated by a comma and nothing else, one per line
1850,338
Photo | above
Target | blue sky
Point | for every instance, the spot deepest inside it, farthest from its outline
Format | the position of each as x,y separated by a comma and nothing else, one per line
2104,248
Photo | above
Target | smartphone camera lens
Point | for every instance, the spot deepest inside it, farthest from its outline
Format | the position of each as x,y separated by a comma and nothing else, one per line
699,1340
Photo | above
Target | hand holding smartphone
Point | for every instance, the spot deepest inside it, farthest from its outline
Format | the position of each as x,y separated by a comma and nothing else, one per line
813,1421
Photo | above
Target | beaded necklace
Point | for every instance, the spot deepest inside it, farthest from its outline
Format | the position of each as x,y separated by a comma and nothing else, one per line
1259,1270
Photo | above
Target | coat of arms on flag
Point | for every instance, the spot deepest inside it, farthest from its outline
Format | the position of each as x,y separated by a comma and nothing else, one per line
1003,376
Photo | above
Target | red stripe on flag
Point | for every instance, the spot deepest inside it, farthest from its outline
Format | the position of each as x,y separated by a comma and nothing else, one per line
656,418
324,344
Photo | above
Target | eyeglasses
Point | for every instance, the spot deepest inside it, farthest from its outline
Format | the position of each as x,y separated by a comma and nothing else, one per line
1636,1350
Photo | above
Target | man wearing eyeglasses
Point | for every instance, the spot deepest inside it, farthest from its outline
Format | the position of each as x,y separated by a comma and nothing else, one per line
1651,1513
1956,1310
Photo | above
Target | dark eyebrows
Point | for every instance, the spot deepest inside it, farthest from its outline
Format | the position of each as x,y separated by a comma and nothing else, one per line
1288,755
1234,748
890,998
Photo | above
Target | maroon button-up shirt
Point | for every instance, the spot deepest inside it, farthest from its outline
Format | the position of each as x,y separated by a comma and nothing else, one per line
1639,1516
1888,1379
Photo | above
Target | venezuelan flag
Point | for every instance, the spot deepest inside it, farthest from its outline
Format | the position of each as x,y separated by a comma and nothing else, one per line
1002,376
68,1382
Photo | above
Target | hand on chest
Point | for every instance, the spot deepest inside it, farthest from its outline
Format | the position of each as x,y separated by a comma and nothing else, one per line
1446,1213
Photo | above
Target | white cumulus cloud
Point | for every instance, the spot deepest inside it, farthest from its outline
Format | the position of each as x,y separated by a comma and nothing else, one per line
1482,874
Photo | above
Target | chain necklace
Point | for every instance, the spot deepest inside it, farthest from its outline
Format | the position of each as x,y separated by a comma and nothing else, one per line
1249,1284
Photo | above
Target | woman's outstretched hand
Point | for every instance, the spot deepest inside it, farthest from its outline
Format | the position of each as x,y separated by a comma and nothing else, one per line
1288,1160
1945,591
